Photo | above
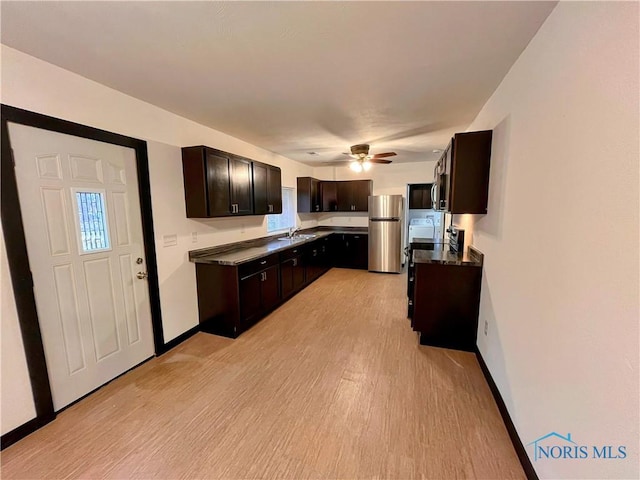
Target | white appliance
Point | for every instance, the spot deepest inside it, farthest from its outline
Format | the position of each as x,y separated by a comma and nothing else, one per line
421,228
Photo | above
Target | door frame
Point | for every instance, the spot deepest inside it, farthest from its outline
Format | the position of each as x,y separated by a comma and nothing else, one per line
18,259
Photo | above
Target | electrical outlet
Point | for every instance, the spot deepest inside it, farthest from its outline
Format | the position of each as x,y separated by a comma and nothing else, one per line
486,327
194,237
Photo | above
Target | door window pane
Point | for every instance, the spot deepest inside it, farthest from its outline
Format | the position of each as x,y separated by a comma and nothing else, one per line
92,222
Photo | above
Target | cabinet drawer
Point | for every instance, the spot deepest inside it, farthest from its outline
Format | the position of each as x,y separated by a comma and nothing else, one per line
254,266
291,253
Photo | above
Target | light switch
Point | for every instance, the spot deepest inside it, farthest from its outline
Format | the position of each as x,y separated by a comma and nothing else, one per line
194,237
170,240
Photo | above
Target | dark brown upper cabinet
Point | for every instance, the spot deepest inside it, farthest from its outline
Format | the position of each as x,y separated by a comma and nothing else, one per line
333,196
420,196
329,196
309,198
221,184
462,173
353,195
267,189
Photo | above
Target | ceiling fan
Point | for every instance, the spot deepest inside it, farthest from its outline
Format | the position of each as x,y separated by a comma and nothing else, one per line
362,160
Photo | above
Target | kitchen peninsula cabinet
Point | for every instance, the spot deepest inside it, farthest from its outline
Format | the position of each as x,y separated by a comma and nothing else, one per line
231,298
221,184
446,298
267,189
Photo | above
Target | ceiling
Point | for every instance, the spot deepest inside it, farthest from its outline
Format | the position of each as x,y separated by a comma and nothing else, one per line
293,77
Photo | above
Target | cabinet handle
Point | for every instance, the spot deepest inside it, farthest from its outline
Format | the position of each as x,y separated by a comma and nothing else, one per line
264,262
265,276
295,262
295,251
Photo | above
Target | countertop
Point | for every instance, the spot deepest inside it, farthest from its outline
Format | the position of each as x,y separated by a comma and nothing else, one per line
242,252
441,254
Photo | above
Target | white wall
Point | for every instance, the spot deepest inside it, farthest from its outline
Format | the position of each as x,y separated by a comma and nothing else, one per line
38,86
16,397
32,84
391,179
560,287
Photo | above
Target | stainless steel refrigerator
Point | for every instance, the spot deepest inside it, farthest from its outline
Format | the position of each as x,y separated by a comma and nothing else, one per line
385,233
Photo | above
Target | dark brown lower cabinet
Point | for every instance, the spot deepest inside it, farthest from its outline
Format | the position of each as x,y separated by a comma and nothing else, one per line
446,304
350,250
292,272
231,298
259,293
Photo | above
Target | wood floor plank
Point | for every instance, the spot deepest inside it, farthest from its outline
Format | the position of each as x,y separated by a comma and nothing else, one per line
333,384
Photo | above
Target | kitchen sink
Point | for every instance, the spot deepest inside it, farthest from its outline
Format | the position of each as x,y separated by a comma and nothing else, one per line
298,238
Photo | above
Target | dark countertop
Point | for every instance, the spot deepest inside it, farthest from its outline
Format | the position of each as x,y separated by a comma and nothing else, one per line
241,252
441,254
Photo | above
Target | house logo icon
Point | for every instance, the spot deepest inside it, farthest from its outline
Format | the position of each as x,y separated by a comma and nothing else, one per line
539,448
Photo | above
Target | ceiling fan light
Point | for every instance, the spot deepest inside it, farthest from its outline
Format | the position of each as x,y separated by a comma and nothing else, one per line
366,166
355,166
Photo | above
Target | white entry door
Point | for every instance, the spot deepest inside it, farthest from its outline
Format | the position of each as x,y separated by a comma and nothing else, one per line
83,228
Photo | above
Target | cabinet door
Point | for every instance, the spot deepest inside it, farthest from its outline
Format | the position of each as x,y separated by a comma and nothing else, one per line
420,196
470,159
446,304
218,184
270,287
274,189
292,275
316,199
359,251
241,186
250,301
286,277
336,250
260,188
325,254
360,191
345,196
329,196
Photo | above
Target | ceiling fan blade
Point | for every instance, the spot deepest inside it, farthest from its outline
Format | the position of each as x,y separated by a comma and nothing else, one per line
379,160
383,155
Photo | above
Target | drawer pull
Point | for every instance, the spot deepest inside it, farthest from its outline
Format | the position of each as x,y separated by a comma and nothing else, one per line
263,262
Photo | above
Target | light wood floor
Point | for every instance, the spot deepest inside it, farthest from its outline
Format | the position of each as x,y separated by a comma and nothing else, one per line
332,385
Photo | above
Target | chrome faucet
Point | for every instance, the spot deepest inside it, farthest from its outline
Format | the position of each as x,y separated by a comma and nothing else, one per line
292,231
